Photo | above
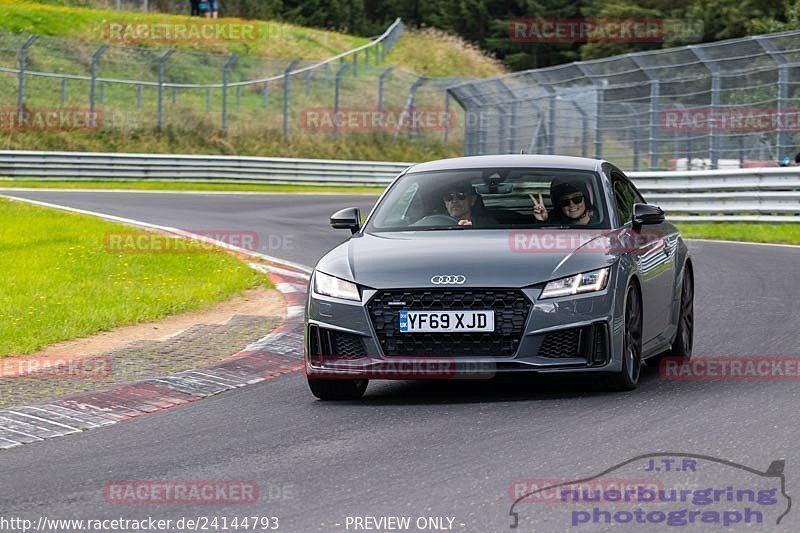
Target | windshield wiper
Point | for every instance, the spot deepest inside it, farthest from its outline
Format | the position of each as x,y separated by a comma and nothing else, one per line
556,226
440,228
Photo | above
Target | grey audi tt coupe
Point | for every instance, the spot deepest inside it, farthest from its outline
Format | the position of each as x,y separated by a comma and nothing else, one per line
478,266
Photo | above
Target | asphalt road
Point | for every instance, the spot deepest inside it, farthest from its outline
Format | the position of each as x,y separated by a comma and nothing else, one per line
290,227
424,449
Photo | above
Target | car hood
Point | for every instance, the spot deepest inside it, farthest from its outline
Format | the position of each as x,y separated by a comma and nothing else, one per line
486,258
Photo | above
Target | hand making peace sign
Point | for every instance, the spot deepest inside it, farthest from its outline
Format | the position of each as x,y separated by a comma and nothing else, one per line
539,210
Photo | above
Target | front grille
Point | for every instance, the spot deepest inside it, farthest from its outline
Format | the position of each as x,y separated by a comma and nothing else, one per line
331,344
511,309
589,342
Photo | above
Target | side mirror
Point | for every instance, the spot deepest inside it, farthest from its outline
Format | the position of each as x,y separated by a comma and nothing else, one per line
644,214
349,218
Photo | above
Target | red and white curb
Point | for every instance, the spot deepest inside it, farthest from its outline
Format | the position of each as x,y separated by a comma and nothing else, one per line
278,353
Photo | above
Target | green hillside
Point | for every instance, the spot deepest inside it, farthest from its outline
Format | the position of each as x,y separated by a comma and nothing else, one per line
272,39
192,116
425,52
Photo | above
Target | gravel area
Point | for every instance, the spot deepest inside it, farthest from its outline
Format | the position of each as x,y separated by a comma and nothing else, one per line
194,347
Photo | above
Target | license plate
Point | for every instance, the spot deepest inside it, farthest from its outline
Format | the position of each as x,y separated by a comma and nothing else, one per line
445,321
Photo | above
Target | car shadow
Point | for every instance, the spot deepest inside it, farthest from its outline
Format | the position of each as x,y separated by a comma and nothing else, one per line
515,387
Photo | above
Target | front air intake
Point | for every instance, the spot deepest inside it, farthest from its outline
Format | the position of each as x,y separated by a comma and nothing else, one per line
588,342
324,343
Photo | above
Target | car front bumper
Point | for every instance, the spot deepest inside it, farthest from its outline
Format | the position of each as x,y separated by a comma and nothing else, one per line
575,335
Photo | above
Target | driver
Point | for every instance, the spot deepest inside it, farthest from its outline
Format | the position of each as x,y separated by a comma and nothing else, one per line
460,203
571,201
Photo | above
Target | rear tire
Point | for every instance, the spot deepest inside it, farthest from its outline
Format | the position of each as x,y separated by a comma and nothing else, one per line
338,389
684,337
628,377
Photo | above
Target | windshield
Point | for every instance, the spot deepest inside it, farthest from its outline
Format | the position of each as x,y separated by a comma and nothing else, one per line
504,198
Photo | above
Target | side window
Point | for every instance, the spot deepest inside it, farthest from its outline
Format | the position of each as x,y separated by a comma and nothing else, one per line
625,196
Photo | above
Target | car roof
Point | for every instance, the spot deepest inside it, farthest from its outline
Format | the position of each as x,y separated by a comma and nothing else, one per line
515,160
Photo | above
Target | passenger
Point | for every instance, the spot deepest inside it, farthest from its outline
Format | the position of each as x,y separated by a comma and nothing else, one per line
465,206
572,204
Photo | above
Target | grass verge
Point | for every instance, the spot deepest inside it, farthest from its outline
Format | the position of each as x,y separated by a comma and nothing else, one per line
786,233
437,53
60,283
358,147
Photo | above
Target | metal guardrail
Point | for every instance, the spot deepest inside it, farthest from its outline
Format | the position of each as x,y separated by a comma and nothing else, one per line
758,194
113,166
747,194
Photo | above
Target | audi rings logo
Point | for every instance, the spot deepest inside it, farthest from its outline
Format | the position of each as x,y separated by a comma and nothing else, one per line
448,280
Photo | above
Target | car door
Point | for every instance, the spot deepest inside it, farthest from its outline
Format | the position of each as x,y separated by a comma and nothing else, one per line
654,253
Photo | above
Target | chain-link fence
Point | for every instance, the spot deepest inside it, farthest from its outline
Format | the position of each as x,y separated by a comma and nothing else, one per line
76,84
727,104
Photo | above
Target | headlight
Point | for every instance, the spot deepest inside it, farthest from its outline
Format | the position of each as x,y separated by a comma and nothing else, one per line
587,282
338,288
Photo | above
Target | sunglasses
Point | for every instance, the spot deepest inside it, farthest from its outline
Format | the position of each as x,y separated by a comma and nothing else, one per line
450,196
577,200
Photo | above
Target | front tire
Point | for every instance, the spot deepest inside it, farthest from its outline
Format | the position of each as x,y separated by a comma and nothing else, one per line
628,377
684,337
338,389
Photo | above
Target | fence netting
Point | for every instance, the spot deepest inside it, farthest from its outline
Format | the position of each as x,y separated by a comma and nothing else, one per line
726,104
